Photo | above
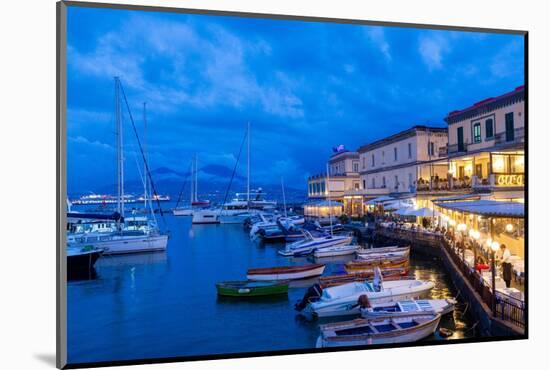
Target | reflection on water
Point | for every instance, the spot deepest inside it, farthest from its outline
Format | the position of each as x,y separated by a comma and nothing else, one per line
165,304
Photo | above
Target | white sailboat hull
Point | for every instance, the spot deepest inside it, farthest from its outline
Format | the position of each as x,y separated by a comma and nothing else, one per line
182,212
123,244
206,217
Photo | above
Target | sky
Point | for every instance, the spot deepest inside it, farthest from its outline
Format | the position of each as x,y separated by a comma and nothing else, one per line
305,87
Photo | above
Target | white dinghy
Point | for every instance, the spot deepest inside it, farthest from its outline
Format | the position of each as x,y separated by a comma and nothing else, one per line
404,308
383,252
337,250
382,330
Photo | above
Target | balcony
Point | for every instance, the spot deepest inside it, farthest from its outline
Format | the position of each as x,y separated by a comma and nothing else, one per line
519,137
499,139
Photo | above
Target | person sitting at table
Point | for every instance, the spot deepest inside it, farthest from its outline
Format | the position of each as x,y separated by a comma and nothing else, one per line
481,264
506,265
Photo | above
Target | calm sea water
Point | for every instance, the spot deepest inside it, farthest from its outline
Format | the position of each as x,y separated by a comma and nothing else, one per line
165,304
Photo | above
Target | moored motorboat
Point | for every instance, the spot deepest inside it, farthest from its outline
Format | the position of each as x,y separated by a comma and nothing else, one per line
371,263
285,272
387,274
343,299
404,308
337,250
251,288
310,244
382,330
383,252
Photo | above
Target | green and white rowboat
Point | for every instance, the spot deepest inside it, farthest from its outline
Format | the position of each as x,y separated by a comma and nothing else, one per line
251,288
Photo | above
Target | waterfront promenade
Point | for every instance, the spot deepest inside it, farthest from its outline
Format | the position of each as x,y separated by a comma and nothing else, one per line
497,314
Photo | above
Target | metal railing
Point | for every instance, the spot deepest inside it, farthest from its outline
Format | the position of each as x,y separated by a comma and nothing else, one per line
519,136
507,308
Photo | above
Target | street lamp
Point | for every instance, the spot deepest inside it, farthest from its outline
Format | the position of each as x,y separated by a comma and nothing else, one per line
475,235
494,249
462,228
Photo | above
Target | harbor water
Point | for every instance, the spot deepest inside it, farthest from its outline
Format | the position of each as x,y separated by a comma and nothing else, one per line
165,304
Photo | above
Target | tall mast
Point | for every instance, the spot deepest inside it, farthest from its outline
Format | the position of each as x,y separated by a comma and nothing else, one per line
329,203
146,177
284,198
248,168
192,195
196,187
120,155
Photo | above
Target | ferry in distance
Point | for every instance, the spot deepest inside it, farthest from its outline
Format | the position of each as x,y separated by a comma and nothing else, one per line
112,199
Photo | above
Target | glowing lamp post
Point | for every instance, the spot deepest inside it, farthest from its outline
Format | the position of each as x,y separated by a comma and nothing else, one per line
475,235
494,249
462,228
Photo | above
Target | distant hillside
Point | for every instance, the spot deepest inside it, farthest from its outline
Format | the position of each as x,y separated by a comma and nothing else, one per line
213,182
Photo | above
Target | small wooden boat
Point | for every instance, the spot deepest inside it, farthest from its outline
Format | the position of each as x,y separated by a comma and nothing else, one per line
382,263
285,272
387,274
406,307
382,330
383,252
337,250
251,288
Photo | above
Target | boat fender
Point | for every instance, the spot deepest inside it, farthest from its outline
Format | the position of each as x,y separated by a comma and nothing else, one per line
312,293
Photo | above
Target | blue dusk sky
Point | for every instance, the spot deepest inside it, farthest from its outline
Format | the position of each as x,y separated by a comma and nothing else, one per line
305,87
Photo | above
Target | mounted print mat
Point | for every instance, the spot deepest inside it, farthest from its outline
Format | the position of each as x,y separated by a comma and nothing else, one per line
237,184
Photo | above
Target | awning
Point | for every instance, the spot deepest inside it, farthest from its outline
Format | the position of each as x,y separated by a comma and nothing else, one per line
454,198
425,212
488,208
381,199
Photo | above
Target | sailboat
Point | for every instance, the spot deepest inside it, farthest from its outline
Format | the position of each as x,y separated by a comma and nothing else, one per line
195,203
135,233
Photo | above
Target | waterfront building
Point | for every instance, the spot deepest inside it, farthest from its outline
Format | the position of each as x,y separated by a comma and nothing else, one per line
485,153
399,165
323,210
343,167
485,159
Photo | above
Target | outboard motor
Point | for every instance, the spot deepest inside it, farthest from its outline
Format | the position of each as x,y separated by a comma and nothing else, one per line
312,293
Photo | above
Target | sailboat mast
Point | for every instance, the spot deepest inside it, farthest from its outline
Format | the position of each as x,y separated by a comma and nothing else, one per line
192,180
248,168
196,187
284,198
329,203
120,158
146,178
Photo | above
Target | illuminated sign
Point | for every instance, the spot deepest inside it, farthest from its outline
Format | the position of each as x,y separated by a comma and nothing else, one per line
509,180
